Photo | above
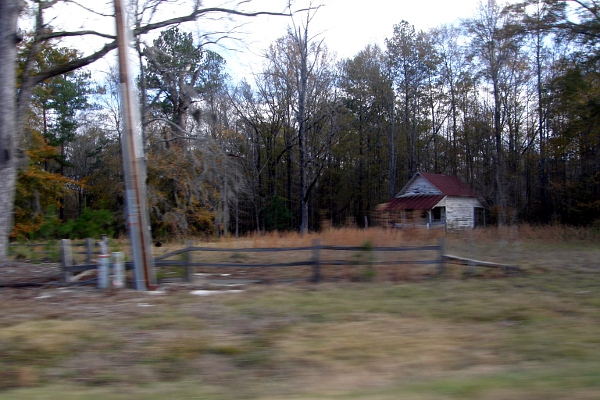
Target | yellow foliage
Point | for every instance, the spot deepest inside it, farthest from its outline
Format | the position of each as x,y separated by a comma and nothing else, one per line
38,189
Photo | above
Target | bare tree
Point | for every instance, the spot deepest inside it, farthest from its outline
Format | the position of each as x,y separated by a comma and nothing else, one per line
12,116
306,61
494,43
408,52
452,70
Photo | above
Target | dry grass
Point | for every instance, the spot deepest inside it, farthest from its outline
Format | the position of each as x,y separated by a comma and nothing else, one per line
406,237
500,243
531,336
348,237
45,339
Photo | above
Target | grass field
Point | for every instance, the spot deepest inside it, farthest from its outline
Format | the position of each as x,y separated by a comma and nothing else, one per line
482,336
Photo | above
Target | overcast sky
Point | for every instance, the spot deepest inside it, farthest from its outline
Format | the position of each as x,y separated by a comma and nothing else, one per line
347,26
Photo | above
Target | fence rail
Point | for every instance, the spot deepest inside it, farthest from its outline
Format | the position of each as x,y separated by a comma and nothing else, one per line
47,250
316,259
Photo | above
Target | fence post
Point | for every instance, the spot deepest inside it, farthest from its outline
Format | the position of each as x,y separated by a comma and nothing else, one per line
67,259
188,261
89,250
316,245
442,260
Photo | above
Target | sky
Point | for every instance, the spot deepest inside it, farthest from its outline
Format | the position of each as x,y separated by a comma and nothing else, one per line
346,26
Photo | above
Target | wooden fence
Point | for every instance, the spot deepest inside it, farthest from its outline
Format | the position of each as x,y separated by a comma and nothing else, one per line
86,256
314,259
48,251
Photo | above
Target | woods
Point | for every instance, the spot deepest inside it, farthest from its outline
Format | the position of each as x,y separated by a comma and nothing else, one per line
506,99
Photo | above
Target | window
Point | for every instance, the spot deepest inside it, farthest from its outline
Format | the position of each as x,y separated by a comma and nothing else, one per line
438,214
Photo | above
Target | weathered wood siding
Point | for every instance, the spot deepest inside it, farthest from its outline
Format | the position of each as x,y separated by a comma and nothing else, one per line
420,186
460,212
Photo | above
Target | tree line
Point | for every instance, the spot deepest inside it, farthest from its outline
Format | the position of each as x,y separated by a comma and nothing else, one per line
507,100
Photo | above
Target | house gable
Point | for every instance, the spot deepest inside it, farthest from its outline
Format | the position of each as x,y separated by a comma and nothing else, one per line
449,185
436,184
418,185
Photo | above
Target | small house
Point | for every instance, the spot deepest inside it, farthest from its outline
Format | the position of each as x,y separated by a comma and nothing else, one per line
434,201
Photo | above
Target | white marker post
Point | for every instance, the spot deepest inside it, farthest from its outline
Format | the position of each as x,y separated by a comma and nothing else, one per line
118,270
102,263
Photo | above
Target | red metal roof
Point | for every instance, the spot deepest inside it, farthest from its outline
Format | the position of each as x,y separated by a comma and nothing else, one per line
418,202
449,185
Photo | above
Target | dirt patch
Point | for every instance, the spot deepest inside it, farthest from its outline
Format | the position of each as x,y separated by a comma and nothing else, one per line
27,274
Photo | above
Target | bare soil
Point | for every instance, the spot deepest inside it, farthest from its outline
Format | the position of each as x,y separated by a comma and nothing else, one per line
15,274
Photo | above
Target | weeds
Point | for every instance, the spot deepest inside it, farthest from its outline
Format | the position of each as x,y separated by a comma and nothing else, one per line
365,257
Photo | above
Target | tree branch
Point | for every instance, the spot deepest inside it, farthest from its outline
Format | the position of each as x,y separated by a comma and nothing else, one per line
75,64
55,35
82,62
200,12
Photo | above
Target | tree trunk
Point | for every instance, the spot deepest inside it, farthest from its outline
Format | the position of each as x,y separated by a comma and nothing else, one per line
392,141
302,42
9,11
454,128
499,157
543,161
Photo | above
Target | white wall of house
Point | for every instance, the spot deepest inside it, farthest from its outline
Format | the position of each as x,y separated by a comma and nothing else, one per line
460,212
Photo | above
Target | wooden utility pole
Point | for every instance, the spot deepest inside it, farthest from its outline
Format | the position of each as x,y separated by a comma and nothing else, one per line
133,163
